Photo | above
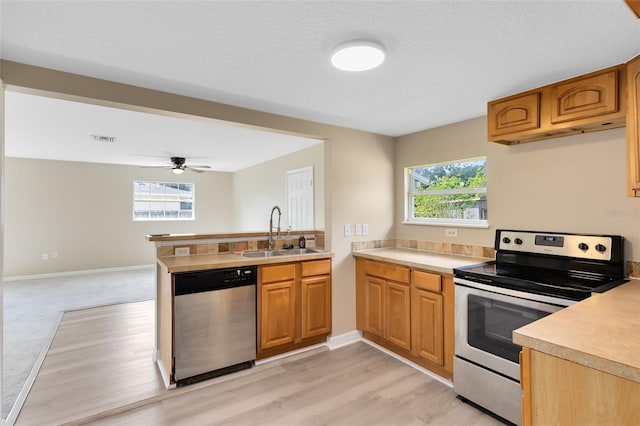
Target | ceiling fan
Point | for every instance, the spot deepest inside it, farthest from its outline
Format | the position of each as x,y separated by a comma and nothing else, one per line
178,166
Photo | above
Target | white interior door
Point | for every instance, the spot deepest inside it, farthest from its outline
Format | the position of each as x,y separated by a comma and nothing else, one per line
300,198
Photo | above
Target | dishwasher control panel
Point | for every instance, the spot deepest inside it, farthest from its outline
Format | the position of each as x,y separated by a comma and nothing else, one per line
214,279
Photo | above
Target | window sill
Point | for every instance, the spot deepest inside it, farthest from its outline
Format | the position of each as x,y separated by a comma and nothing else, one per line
484,225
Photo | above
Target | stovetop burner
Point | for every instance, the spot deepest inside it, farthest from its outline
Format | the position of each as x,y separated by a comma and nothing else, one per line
564,265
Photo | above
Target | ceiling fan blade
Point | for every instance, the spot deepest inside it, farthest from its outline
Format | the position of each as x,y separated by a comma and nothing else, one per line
194,170
155,167
199,166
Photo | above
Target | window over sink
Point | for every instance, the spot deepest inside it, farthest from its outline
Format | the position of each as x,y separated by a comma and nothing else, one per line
452,193
163,201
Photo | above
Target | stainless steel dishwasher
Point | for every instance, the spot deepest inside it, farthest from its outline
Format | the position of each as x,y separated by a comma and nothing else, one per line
214,323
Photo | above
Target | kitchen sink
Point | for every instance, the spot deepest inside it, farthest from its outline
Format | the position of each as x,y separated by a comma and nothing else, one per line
261,253
289,252
283,252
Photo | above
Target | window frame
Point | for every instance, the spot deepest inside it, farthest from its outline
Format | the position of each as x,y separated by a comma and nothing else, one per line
410,193
164,198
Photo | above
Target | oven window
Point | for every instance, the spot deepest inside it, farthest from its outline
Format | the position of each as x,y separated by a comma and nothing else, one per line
491,323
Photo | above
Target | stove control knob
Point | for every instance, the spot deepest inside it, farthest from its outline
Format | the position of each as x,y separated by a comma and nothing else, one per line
518,241
583,247
601,248
506,240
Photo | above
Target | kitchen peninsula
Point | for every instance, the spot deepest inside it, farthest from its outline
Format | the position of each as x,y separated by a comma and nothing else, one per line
293,288
581,365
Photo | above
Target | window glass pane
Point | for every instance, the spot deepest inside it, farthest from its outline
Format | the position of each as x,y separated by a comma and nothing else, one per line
163,201
455,191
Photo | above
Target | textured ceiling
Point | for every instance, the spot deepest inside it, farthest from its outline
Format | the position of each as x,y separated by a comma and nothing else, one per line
446,59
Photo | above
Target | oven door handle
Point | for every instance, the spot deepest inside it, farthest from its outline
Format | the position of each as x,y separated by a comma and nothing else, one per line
514,293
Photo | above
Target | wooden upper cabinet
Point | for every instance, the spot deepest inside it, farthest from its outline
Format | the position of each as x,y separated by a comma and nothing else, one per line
585,97
513,115
633,127
591,102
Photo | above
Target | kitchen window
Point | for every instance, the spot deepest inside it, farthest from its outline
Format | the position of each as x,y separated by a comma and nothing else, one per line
453,193
163,201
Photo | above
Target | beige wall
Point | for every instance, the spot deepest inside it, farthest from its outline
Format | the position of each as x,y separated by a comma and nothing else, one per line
571,184
257,189
358,165
83,211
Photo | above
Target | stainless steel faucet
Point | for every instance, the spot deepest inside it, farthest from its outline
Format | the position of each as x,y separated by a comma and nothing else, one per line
272,243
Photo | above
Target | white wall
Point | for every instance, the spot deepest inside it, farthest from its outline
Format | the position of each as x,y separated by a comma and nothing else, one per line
571,184
83,211
257,189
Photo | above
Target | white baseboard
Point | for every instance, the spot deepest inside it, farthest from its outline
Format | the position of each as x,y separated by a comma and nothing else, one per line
73,273
409,363
341,340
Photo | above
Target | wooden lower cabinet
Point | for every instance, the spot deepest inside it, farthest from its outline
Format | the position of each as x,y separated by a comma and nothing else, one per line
561,392
408,311
316,306
278,322
397,305
294,306
374,306
428,326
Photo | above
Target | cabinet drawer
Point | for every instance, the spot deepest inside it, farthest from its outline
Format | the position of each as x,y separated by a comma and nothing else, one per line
427,281
384,270
316,267
276,273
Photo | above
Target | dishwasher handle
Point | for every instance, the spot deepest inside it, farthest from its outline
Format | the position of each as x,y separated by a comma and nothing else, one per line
215,279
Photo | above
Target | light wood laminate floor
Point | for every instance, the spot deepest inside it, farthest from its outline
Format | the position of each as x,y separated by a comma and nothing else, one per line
99,371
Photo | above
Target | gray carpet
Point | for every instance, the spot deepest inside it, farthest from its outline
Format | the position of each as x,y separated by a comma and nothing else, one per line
31,308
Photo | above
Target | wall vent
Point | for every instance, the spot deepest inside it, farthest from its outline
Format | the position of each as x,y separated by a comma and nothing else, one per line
100,138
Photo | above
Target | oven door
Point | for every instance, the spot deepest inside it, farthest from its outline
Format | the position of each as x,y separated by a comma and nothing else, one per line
485,317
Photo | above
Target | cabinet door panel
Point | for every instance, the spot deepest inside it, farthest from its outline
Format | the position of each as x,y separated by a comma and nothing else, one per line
428,326
584,98
633,127
374,306
398,314
316,306
278,310
513,115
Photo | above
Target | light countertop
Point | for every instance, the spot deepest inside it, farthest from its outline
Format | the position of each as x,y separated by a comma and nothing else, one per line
601,332
201,262
437,262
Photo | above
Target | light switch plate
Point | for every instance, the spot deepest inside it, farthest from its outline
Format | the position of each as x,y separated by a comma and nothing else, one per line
358,229
365,229
347,230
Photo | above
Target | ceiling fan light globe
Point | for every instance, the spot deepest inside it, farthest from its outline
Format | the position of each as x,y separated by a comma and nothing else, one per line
178,170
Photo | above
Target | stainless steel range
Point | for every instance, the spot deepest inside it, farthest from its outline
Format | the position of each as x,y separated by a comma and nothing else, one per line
534,275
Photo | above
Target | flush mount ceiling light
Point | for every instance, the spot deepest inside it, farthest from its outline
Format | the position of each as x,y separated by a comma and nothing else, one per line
359,55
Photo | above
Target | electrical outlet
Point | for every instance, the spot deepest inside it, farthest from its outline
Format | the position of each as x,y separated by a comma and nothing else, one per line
365,229
182,251
347,230
54,254
358,229
451,232
45,256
